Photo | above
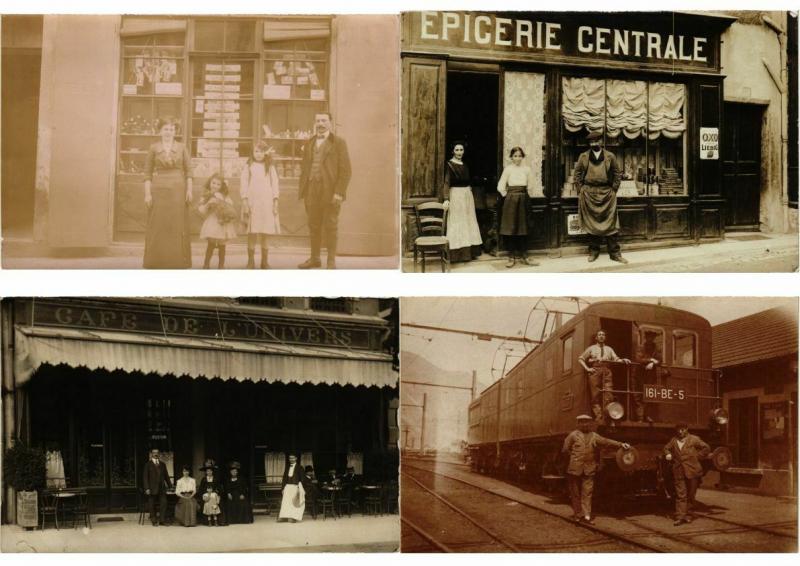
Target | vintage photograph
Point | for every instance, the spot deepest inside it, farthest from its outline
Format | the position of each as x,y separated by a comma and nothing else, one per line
251,424
215,142
599,141
586,424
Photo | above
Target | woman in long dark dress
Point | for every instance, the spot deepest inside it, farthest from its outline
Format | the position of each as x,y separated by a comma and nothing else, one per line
237,503
463,232
167,195
212,483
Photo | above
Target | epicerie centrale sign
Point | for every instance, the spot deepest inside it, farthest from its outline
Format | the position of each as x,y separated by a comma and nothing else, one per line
709,143
569,37
235,326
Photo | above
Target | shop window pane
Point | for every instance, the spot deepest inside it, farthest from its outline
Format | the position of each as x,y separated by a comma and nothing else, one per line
159,424
524,121
667,151
209,36
91,454
684,349
239,36
123,461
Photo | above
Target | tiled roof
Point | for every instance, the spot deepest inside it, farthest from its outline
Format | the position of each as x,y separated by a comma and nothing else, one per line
767,334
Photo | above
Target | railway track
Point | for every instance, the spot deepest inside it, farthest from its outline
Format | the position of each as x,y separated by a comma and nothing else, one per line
730,536
479,507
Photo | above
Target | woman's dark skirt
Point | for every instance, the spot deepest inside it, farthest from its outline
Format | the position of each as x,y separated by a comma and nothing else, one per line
167,244
514,220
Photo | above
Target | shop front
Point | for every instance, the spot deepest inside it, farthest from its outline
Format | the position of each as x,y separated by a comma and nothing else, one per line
230,82
98,383
652,83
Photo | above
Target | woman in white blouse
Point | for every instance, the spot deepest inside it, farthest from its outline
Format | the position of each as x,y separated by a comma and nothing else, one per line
516,185
186,507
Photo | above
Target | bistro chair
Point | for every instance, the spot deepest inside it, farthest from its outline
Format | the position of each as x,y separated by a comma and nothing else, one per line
373,501
48,508
431,233
81,509
142,507
327,501
344,500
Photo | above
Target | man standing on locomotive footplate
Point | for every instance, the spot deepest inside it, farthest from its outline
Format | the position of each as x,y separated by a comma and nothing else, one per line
595,361
684,451
583,446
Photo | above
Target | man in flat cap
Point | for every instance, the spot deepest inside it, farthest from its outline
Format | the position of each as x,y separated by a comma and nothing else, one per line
595,361
597,177
583,446
684,451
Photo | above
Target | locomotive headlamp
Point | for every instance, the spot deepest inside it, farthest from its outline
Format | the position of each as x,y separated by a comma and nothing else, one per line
721,457
615,410
720,416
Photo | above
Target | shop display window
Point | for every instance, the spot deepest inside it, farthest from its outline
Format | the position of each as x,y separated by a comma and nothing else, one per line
91,453
294,87
152,86
123,461
644,125
159,424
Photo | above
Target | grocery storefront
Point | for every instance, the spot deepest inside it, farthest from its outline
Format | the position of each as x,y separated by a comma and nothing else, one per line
98,382
104,81
653,83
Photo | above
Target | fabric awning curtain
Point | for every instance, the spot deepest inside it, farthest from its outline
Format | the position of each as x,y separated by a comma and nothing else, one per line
197,357
283,30
630,108
147,26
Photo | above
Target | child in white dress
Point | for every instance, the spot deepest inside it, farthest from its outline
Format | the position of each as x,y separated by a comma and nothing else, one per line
220,218
259,190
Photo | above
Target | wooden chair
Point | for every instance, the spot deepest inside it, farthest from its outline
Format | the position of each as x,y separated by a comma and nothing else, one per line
344,500
431,233
327,502
373,502
48,507
391,493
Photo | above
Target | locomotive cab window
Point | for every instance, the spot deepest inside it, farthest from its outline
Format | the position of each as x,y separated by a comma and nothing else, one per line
649,344
684,348
566,358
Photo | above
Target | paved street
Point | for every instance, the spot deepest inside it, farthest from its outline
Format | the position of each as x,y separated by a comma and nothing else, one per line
20,255
348,534
739,252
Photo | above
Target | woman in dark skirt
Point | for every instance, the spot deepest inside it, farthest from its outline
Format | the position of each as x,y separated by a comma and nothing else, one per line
186,507
212,484
463,232
167,196
515,185
237,503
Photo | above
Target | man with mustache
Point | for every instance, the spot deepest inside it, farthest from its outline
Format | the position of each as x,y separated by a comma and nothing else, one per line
597,178
325,172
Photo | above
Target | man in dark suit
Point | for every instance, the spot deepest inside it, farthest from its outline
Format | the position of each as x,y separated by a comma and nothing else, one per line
156,482
325,173
684,451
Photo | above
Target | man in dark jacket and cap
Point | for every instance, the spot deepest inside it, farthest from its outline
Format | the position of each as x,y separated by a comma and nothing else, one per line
684,451
597,177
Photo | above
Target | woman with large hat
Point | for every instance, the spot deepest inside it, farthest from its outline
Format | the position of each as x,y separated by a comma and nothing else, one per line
237,498
293,501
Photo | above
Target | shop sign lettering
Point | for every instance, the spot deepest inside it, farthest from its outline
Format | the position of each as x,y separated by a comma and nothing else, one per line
227,325
709,143
553,34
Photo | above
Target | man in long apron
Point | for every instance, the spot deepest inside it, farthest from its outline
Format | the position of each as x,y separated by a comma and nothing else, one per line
597,178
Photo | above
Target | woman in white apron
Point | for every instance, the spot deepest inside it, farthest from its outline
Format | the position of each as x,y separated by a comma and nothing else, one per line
293,502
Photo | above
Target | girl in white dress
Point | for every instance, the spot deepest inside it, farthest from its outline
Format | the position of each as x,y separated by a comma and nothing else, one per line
219,225
259,190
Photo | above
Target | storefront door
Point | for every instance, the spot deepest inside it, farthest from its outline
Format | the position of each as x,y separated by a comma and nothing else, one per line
472,118
741,153
743,435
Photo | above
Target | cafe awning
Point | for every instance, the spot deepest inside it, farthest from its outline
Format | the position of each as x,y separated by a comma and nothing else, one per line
198,357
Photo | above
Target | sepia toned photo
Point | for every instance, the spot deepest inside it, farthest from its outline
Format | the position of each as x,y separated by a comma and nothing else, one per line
599,425
215,142
250,424
599,141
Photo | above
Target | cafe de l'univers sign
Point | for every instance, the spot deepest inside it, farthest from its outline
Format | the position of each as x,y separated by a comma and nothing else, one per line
657,40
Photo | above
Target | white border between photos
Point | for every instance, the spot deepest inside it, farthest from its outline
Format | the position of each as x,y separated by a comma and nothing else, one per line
377,283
